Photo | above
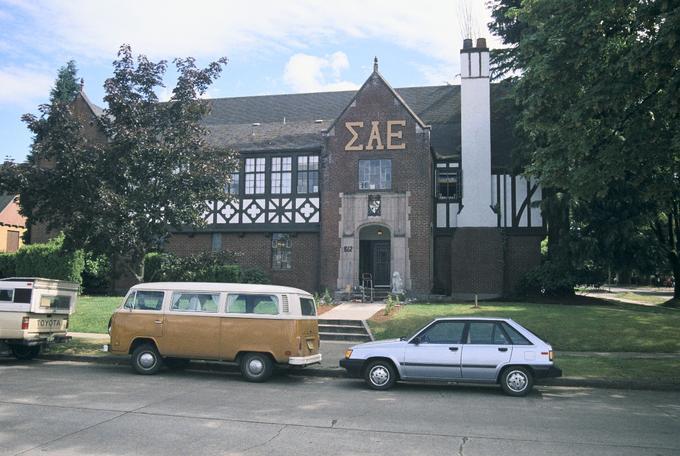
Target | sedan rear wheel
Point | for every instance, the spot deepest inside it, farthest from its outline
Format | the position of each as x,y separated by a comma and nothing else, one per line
517,381
380,375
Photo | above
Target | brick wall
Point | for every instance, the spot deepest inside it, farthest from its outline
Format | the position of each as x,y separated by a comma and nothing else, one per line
477,261
411,172
522,253
256,251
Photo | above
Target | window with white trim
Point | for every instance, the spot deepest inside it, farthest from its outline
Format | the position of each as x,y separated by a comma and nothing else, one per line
308,174
255,173
232,187
281,175
448,184
375,174
281,251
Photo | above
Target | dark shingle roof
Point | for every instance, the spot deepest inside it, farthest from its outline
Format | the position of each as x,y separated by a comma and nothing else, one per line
230,121
5,200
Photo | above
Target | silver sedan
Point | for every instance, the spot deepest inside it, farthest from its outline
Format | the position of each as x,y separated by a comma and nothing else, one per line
465,350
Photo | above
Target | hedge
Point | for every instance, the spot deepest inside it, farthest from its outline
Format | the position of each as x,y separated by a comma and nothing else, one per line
202,267
50,261
8,265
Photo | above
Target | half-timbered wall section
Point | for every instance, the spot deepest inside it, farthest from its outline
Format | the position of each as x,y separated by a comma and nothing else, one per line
270,191
447,193
516,201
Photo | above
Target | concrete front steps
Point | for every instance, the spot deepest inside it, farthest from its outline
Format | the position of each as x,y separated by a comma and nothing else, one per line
344,330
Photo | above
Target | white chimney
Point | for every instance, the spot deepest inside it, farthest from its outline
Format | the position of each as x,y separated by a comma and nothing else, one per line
475,107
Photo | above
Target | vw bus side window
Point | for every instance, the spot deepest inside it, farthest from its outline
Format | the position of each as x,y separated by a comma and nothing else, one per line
145,300
6,295
253,304
195,302
130,301
307,307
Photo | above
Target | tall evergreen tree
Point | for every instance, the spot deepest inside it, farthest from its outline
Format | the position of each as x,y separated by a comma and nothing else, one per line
66,87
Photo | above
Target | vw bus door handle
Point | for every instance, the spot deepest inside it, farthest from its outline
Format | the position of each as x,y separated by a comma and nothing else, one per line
158,322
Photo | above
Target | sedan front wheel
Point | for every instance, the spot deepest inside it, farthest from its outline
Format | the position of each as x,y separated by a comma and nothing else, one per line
380,375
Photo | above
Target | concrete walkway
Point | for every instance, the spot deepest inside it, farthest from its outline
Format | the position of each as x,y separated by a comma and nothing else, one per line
352,311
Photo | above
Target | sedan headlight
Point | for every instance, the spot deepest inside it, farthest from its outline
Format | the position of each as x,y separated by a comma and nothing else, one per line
348,353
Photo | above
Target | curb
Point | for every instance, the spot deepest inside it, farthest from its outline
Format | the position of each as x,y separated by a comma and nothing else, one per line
209,366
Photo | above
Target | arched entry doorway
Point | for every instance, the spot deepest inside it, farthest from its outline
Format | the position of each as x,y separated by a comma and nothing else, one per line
375,253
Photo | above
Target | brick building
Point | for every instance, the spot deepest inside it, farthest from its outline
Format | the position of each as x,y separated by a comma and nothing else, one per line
336,185
12,224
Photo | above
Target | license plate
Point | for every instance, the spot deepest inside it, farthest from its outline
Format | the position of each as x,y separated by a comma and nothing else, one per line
49,324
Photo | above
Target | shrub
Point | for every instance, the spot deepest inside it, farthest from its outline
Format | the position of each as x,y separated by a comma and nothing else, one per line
96,274
153,266
327,299
254,275
556,279
202,267
50,261
8,265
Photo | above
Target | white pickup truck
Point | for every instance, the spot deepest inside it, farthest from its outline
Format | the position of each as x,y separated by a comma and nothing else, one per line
34,312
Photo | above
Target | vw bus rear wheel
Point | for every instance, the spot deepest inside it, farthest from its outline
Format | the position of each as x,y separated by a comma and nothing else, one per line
146,360
25,352
256,367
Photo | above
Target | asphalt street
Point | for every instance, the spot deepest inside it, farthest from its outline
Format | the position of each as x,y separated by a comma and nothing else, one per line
65,408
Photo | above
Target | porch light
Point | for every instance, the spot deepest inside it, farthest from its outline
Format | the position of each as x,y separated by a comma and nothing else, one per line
380,232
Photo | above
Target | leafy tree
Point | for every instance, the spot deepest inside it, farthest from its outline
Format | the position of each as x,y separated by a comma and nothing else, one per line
599,101
117,185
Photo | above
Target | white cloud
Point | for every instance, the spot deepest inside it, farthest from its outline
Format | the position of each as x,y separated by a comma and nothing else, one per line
446,73
162,28
23,87
309,73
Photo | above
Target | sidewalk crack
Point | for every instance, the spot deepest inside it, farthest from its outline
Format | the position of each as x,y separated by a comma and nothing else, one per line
278,433
462,444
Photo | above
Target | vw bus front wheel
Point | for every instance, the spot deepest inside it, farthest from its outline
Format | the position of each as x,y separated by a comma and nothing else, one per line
146,360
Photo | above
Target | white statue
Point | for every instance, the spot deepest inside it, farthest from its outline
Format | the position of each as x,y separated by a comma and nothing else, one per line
397,284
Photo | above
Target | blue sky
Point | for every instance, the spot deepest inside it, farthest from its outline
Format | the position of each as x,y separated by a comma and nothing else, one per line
273,46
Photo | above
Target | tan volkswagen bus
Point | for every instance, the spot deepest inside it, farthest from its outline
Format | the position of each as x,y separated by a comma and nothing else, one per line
33,313
256,326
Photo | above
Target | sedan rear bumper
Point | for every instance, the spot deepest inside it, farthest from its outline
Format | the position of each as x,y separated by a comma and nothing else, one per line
547,371
354,366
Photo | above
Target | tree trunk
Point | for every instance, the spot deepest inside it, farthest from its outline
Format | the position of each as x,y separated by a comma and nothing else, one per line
624,276
135,265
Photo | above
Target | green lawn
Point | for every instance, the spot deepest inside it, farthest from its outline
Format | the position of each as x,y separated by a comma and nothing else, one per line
616,328
642,370
93,313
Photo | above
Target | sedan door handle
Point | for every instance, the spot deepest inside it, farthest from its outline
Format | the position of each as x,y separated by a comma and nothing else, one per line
453,349
502,349
158,322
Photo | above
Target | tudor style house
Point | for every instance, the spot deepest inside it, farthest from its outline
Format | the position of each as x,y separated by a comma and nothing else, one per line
337,187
